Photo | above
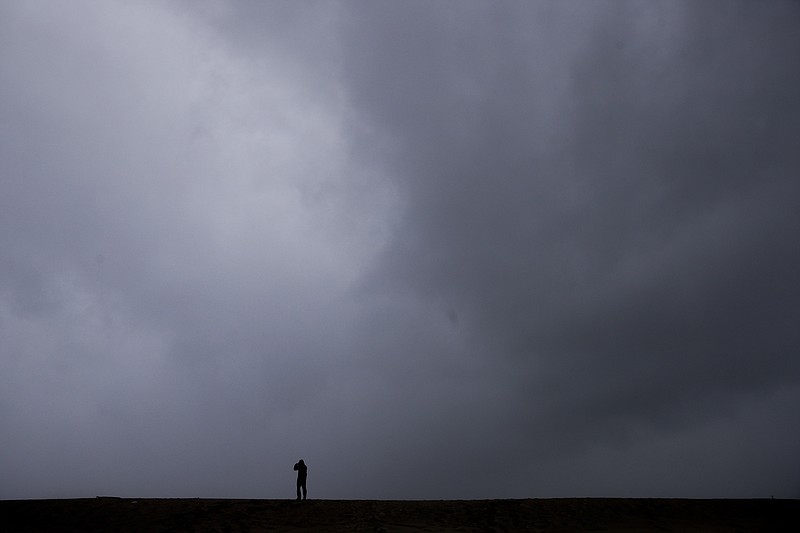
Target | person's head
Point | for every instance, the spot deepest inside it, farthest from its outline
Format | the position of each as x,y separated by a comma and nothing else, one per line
300,462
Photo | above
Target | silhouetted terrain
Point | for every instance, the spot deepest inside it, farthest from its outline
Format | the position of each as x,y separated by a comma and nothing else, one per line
568,514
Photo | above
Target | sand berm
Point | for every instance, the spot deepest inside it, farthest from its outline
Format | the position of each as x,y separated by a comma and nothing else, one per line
558,514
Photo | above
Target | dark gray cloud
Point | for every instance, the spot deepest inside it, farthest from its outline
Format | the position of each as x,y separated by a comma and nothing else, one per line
447,250
606,198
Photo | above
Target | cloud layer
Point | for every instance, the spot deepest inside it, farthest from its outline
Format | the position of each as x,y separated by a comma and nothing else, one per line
450,250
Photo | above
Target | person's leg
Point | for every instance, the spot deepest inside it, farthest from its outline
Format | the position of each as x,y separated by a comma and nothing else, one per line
298,489
305,492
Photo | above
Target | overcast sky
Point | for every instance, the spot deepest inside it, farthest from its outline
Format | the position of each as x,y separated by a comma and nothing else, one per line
438,250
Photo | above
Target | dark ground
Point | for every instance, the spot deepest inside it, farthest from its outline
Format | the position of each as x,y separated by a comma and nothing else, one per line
567,514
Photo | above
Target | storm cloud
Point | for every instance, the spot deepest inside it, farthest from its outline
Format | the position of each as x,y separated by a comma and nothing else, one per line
437,250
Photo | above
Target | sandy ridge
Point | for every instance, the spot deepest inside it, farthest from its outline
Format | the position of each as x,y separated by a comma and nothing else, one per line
562,514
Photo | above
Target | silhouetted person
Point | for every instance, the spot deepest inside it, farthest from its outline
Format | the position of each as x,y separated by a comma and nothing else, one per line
302,473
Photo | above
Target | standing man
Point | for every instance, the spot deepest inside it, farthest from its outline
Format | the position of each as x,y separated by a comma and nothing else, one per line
302,473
